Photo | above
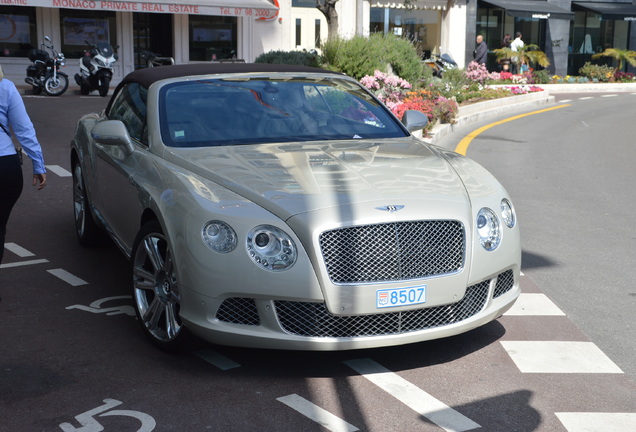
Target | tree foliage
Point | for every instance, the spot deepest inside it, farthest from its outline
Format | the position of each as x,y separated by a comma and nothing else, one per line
528,54
360,56
620,55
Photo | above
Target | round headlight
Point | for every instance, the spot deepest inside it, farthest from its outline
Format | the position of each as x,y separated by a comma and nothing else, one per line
219,236
508,213
271,248
488,229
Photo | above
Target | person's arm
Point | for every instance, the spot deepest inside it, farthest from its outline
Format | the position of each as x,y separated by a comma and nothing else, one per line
24,130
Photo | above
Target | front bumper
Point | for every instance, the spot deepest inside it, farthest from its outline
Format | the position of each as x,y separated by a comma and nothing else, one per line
277,324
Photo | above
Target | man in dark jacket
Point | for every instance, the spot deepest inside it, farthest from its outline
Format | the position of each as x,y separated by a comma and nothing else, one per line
481,50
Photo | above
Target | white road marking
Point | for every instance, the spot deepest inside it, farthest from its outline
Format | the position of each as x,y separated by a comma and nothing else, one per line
586,98
609,95
24,263
314,412
58,170
412,396
216,359
565,101
18,250
67,277
594,422
559,357
534,304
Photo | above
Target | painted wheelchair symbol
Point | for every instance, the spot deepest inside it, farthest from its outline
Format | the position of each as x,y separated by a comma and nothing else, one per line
96,307
90,424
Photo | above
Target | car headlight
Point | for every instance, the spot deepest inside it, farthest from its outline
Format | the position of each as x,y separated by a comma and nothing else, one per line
488,229
219,236
508,213
271,248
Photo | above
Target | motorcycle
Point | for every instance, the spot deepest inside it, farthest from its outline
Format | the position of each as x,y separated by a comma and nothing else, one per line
441,63
44,73
96,68
154,60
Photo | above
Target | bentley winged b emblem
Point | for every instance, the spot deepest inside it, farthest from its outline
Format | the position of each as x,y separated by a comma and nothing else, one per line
391,208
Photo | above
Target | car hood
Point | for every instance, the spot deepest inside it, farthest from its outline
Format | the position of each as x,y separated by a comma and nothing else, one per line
291,179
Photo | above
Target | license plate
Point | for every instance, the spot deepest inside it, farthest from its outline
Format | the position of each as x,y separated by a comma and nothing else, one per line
400,296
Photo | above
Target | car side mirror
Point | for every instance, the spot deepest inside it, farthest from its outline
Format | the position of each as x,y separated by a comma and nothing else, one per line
414,120
113,133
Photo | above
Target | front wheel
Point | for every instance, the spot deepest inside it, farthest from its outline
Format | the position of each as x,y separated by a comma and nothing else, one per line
88,233
103,87
155,290
56,86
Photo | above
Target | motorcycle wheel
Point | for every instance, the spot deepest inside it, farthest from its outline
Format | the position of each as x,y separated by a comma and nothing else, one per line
37,90
56,87
103,88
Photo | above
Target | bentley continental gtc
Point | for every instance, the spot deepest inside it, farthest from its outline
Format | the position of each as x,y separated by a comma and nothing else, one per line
285,207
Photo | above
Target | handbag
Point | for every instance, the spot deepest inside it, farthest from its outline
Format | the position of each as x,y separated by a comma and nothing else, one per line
18,149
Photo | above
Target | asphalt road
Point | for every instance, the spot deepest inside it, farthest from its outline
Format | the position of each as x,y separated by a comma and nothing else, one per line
571,172
73,358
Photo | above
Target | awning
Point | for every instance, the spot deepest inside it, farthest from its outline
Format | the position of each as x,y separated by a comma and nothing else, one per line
532,9
413,4
610,11
257,9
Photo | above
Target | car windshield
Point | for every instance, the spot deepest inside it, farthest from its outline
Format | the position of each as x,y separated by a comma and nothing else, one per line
235,111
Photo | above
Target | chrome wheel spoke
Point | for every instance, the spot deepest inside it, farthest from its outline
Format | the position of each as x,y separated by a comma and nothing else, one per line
172,323
153,253
153,315
144,280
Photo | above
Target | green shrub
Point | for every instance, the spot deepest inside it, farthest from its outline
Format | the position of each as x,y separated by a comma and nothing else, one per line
602,73
361,56
301,58
541,76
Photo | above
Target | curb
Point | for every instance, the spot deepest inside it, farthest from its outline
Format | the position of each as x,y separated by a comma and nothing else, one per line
475,112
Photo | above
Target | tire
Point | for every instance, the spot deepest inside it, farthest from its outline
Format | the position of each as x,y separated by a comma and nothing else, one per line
56,87
37,90
103,88
155,290
88,233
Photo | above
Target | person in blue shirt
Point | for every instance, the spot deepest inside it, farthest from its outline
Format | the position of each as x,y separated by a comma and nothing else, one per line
13,115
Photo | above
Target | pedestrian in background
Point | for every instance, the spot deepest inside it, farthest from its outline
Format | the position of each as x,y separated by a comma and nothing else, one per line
505,43
13,115
516,45
481,50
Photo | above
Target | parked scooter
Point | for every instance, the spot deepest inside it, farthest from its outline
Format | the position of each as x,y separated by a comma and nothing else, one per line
441,63
96,68
44,73
153,59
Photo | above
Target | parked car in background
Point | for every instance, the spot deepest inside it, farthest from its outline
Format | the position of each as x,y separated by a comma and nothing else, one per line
286,207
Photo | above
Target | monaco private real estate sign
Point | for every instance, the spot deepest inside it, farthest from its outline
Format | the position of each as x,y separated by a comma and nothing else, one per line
242,8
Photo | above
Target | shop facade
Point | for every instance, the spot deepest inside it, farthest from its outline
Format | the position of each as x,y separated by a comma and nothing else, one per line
568,32
189,31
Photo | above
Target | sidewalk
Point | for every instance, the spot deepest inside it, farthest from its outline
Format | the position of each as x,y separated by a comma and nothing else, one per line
473,113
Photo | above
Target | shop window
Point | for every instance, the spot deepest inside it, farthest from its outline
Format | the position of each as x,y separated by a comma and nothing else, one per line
212,38
589,35
18,33
422,27
298,32
81,26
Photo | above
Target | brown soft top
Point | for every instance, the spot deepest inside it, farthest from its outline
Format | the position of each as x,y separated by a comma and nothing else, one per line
146,77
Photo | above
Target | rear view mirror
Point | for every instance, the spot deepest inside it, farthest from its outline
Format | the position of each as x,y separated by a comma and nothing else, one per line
113,133
414,120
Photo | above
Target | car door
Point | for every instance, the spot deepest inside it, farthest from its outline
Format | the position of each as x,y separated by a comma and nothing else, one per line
118,176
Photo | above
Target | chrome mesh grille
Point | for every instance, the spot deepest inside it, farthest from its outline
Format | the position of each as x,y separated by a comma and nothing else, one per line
238,310
393,251
505,282
313,319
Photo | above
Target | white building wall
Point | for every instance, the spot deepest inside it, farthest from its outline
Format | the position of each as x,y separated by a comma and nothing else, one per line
454,32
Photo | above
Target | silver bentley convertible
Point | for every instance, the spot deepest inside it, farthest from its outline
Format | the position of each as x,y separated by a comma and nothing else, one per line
286,207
